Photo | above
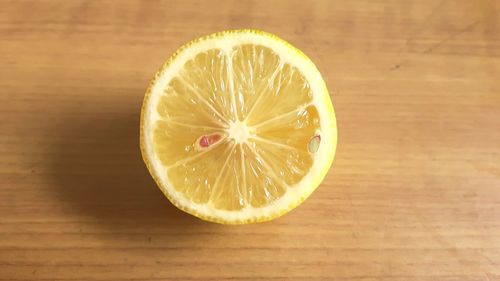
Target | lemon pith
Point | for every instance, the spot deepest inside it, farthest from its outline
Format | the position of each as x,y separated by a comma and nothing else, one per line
238,127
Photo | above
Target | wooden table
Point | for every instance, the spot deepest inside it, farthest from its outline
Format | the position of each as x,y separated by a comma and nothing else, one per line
414,193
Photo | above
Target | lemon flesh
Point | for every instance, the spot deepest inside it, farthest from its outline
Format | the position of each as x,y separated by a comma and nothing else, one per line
238,127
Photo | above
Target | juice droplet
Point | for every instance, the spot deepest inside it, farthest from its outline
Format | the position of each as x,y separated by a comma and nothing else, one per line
314,144
208,140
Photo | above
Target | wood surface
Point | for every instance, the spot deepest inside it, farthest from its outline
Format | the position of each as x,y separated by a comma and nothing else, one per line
414,192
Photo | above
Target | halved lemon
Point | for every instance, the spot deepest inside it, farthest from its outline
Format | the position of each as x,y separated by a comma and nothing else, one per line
238,127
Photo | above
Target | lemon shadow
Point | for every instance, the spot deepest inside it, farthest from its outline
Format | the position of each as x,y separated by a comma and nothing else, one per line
99,178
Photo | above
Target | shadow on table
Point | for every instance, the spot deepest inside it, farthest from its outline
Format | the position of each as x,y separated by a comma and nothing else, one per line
100,178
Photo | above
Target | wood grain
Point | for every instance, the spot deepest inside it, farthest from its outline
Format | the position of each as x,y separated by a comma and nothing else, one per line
414,193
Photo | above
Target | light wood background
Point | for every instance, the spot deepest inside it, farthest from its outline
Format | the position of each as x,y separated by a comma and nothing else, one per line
414,193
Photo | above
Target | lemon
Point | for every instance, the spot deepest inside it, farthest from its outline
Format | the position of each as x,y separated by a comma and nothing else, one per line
238,127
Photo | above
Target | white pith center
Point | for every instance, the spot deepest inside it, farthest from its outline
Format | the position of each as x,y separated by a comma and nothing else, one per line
239,131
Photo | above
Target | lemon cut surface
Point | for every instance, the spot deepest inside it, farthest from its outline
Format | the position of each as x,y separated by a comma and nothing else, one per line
238,127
